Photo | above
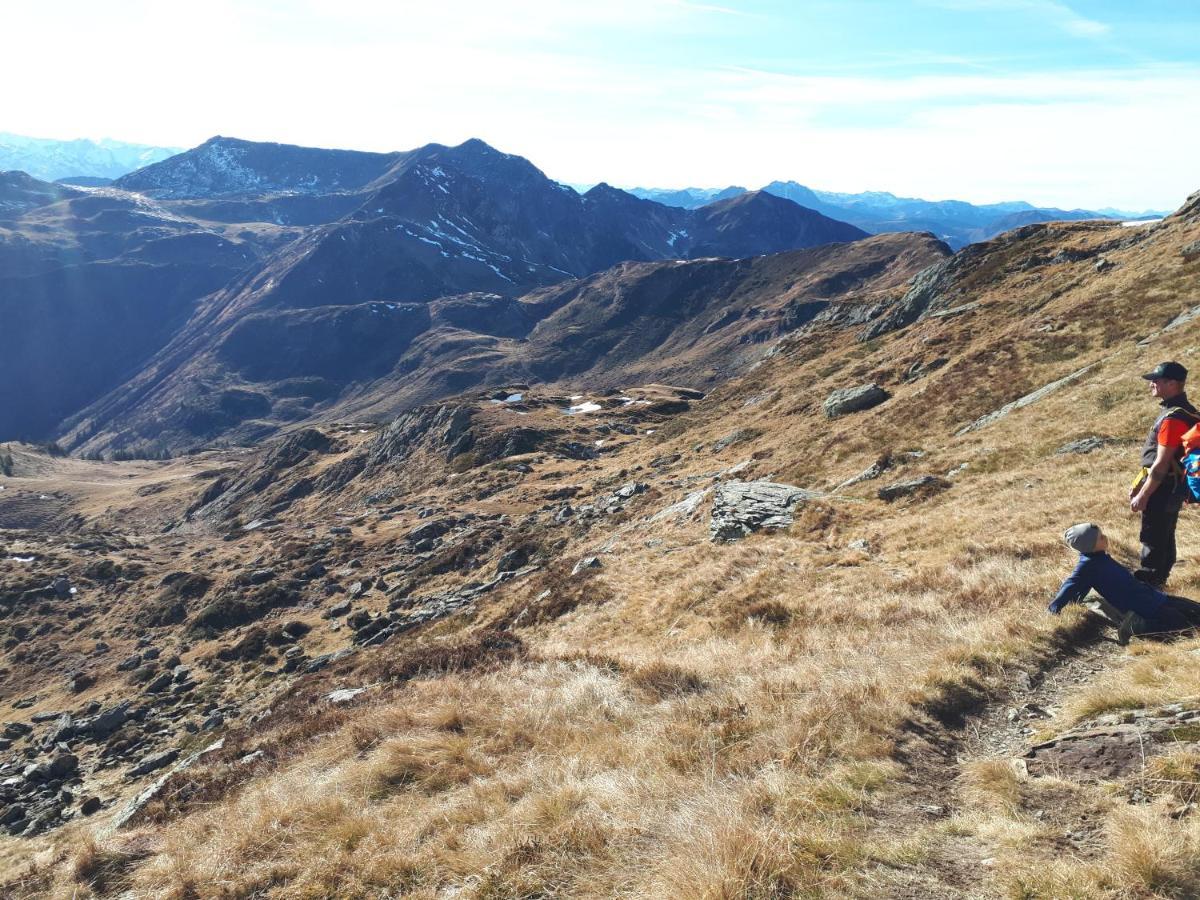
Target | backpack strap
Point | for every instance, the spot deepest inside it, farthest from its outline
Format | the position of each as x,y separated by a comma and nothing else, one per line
1171,410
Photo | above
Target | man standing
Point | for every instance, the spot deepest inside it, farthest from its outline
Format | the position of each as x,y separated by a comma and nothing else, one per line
1159,493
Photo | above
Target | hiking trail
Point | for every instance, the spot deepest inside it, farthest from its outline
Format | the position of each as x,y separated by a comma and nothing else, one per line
957,865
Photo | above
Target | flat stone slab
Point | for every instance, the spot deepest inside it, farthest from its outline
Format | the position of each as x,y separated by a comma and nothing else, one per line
1115,745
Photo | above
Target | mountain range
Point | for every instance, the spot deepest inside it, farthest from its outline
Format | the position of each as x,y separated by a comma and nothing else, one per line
956,222
244,285
92,161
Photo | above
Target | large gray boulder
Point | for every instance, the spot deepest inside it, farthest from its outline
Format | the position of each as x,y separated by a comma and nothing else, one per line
742,507
849,400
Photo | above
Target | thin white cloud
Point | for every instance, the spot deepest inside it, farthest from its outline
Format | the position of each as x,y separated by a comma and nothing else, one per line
1058,13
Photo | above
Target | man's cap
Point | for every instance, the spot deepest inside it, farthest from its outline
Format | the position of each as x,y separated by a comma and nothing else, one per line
1172,370
1082,537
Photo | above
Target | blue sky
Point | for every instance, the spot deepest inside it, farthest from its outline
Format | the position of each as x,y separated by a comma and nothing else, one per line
1065,103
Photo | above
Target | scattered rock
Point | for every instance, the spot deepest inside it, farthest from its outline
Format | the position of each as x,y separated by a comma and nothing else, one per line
90,805
740,436
79,682
159,683
105,722
1190,251
154,763
513,560
588,562
924,485
344,695
850,400
64,765
1083,445
921,369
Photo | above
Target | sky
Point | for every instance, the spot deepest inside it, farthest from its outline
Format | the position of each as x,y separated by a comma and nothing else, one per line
1070,104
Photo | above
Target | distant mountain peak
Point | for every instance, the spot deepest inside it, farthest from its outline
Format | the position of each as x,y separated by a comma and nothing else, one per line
49,159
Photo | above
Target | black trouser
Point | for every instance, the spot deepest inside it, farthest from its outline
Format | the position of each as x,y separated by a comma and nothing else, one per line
1158,533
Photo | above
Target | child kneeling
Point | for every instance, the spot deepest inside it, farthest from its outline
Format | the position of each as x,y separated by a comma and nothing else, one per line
1134,606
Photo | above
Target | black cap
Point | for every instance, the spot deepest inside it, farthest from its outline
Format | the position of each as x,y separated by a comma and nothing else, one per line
1172,370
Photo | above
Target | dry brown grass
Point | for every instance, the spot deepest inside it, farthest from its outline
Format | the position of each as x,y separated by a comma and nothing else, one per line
721,721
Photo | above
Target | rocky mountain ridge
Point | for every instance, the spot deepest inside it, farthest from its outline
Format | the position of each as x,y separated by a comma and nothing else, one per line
309,239
956,222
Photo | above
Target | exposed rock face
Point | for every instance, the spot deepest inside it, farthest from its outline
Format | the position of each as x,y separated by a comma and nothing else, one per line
740,436
925,288
742,507
588,562
873,471
444,427
684,509
134,806
849,400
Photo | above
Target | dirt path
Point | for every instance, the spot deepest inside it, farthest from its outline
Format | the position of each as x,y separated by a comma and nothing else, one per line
956,866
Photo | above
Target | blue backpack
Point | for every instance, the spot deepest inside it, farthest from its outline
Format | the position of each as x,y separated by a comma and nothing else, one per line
1191,463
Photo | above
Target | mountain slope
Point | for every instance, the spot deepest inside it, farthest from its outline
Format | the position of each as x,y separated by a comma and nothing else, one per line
223,165
496,648
311,228
696,321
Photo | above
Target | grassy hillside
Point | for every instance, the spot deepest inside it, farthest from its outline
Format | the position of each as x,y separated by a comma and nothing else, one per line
821,710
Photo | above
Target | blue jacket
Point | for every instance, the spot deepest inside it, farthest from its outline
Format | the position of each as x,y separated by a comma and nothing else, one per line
1113,582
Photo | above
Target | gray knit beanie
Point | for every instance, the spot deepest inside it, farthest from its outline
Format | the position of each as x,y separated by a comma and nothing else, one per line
1082,537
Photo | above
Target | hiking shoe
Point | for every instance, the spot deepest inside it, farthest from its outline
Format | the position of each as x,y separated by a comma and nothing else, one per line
1130,625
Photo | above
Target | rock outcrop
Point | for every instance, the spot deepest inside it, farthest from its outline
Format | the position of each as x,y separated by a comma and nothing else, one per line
743,507
855,399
